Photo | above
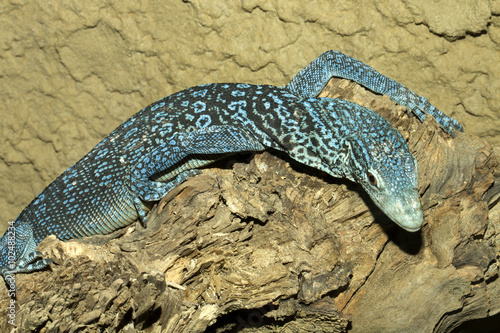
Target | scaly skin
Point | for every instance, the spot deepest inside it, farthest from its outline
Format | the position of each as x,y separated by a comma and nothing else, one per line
162,145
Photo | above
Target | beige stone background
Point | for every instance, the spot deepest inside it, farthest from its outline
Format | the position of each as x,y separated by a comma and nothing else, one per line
71,71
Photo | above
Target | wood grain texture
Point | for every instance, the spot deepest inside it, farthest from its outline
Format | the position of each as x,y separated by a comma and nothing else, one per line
259,243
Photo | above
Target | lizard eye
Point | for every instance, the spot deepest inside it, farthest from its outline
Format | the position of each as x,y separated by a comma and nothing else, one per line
372,179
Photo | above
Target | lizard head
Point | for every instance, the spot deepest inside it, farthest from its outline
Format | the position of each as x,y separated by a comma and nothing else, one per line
347,140
387,171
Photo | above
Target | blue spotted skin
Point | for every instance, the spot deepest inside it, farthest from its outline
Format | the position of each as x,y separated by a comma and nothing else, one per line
165,143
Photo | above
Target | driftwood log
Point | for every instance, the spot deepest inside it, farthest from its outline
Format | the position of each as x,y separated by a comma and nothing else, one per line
259,243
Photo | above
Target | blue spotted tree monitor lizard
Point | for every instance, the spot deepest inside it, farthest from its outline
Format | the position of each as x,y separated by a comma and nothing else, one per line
165,143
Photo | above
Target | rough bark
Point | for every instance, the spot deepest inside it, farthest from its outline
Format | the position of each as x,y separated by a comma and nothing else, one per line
259,243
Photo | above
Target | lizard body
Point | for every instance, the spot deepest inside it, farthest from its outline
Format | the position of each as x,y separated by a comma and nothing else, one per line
165,143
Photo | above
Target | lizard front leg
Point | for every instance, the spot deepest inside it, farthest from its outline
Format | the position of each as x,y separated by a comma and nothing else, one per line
312,79
213,143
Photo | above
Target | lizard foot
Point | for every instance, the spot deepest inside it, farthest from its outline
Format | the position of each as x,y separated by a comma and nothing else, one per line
32,262
421,107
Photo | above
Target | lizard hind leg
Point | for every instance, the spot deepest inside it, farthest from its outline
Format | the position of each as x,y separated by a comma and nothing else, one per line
29,260
32,261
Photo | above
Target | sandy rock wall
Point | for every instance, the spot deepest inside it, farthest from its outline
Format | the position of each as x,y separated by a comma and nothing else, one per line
71,72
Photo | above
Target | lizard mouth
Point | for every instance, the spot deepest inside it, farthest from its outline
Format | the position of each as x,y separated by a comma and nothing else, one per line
404,209
407,213
415,228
